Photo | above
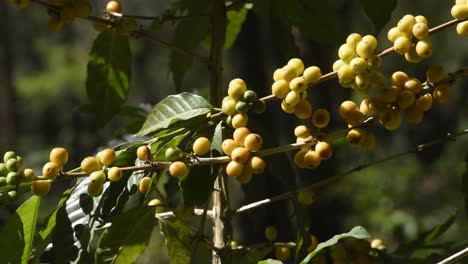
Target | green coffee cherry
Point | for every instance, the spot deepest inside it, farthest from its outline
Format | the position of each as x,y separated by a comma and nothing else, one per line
28,175
13,178
3,181
229,121
3,169
174,153
242,107
9,155
12,164
250,96
12,194
259,106
98,177
19,161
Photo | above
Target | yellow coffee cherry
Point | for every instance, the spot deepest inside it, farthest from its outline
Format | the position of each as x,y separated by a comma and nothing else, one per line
143,153
377,244
239,135
292,98
306,197
257,164
302,131
394,33
201,146
114,174
234,169
435,73
95,189
287,108
278,75
298,84
229,106
236,90
346,53
337,65
406,99
312,74
239,120
391,120
365,48
240,155
144,184
414,115
271,233
402,45
460,11
246,175
40,187
424,49
282,253
320,118
462,29
353,39
421,19
399,78
358,65
303,110
253,142
178,169
424,102
50,170
59,156
442,93
280,89
420,31
299,158
346,74
228,146
371,40
406,24
107,156
28,175
356,135
374,62
297,65
412,56
370,106
389,94
114,6
324,150
312,159
288,73
413,85
346,108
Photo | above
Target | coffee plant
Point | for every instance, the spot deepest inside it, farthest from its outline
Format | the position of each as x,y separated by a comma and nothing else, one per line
209,144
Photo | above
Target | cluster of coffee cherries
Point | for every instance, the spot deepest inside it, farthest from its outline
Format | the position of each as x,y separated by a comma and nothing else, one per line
11,172
124,26
351,251
358,66
290,85
409,38
460,11
238,102
240,148
282,251
310,156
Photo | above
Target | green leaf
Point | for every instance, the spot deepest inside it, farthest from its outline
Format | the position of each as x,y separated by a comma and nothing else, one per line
357,232
181,108
127,237
235,20
303,237
309,17
379,12
178,241
270,261
109,73
465,185
188,34
252,255
18,234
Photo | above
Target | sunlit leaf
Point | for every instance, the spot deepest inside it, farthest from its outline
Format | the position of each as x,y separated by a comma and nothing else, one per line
235,20
270,261
18,233
109,74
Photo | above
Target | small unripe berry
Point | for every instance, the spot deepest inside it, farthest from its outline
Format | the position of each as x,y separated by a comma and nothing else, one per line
9,155
107,157
40,187
234,169
174,154
240,155
143,153
306,197
178,169
98,177
250,96
201,146
95,189
3,169
13,178
114,174
12,165
59,156
144,184
271,233
114,6
259,106
90,164
50,170
242,107
28,175
282,253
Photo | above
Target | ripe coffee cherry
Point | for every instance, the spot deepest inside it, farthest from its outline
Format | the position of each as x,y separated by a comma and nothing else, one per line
282,253
201,146
271,233
424,103
460,11
239,135
228,146
297,65
298,84
257,164
413,85
424,49
98,177
288,73
402,45
312,159
321,118
365,49
399,78
356,135
9,155
50,170
421,19
406,24
393,34
405,99
346,74
174,153
462,29
374,62
412,56
358,65
280,89
107,156
240,120
144,184
237,89
253,142
95,189
324,150
346,53
353,39
312,74
435,73
240,155
346,108
292,98
391,120
420,31
59,156
178,169
306,197
28,175
114,174
441,93
234,169
303,110
302,131
114,6
40,187
287,108
90,164
229,106
337,65
143,153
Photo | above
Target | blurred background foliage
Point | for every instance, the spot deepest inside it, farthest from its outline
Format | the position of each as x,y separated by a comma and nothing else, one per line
394,201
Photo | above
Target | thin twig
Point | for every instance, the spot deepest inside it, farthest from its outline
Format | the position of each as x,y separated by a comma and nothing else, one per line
328,180
455,257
